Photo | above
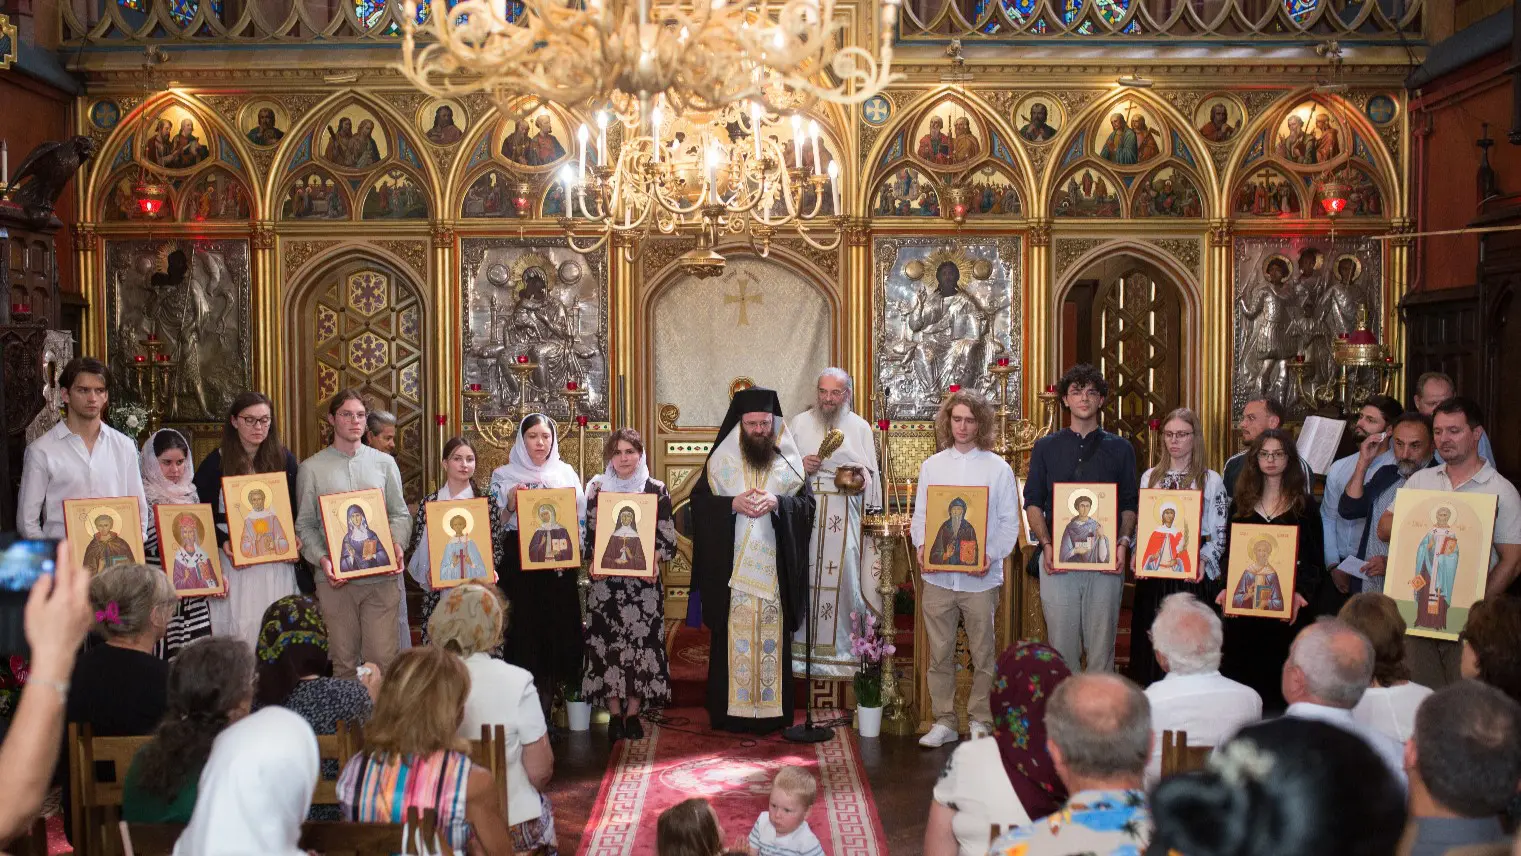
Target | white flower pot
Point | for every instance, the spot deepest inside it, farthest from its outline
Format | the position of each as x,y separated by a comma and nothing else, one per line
578,714
869,721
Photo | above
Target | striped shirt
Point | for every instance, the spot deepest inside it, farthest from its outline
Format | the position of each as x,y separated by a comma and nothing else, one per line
380,789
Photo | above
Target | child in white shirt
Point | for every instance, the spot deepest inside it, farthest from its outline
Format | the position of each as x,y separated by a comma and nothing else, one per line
783,831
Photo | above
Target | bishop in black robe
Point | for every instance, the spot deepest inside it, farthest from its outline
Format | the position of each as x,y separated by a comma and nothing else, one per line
752,485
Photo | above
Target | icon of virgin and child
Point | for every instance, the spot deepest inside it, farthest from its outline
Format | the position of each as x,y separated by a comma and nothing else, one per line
1259,587
461,558
956,540
624,551
192,567
551,541
1436,571
362,548
1083,540
1167,548
263,534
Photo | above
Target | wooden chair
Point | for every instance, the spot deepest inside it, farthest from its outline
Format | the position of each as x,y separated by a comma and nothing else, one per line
491,752
331,838
1179,757
97,770
338,747
149,839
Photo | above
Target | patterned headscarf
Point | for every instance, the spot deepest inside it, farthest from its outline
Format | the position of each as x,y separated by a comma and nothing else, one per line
1026,675
292,620
471,616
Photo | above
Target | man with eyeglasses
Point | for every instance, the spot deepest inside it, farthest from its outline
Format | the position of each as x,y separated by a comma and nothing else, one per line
80,458
1082,608
362,614
1458,425
1342,535
1257,416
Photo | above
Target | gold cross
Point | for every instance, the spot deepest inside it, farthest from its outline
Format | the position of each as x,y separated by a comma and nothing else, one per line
743,300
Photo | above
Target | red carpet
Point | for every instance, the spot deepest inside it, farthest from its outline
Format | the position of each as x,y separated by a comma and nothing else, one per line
648,776
687,650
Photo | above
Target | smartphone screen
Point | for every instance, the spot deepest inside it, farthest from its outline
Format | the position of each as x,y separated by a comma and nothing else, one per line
22,564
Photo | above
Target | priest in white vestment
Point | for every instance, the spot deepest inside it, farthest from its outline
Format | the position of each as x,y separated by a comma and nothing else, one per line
843,567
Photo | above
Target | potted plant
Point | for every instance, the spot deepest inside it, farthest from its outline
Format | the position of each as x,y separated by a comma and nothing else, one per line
577,711
871,650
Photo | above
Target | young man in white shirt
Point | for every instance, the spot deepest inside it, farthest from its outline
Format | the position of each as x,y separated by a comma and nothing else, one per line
1458,426
1194,697
964,431
80,458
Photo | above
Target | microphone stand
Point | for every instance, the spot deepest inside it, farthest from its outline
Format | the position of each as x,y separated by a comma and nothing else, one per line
808,732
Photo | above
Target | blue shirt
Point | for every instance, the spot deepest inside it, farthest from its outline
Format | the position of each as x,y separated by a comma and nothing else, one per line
1343,535
1101,823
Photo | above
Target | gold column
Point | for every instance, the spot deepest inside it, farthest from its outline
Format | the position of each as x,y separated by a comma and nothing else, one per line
266,326
859,312
1397,263
620,292
92,286
1216,348
446,345
1040,367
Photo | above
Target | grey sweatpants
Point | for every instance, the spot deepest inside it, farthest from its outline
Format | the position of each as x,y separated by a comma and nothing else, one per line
1082,611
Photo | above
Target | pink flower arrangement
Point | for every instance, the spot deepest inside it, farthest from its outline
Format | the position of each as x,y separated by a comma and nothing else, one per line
872,649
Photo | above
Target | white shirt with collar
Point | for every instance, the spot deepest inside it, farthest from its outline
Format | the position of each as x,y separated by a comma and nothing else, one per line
1207,705
1390,750
1486,480
58,466
978,467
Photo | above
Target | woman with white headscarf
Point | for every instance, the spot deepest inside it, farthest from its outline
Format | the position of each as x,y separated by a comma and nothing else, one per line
255,789
168,477
545,635
625,617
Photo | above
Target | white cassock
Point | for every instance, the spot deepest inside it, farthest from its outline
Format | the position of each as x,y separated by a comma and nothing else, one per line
844,569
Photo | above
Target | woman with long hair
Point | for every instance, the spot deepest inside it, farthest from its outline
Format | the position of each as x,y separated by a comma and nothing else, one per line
414,758
545,635
689,828
459,483
169,479
1183,469
625,634
250,444
210,687
1271,490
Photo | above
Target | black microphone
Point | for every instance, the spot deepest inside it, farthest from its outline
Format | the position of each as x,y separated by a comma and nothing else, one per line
778,450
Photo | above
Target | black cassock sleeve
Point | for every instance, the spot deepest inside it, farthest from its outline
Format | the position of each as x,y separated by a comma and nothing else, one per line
713,551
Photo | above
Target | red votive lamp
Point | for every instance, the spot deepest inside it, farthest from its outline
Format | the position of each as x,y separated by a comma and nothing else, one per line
1051,388
1003,362
139,359
475,387
442,419
1299,358
955,387
883,424
570,386
1155,424
153,337
522,358
581,420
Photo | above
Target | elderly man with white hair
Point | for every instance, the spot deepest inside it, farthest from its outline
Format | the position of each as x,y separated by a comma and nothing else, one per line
1329,668
1194,697
838,555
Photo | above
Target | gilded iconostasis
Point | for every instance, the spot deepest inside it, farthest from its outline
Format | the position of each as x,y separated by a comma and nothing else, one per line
316,236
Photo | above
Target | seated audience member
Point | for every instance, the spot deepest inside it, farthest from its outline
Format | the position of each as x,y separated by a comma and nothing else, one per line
468,622
255,789
1285,787
1098,730
1006,779
1464,763
1194,697
1329,668
782,830
1490,652
413,738
295,673
210,687
56,620
1388,706
689,828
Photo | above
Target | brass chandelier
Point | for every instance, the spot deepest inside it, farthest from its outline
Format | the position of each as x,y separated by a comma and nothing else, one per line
624,54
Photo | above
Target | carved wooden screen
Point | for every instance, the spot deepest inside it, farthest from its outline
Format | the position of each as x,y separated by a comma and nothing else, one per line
367,328
1137,335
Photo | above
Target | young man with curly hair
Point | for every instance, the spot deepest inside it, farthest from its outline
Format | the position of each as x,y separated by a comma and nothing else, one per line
963,432
1082,607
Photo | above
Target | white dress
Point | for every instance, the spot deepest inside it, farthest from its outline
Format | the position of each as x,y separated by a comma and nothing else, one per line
250,591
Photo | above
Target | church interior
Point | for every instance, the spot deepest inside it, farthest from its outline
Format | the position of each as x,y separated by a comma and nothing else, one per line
1211,201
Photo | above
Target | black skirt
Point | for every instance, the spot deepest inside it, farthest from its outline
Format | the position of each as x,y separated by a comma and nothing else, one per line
545,632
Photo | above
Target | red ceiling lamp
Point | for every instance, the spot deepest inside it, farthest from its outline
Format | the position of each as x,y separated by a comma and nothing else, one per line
1333,195
149,195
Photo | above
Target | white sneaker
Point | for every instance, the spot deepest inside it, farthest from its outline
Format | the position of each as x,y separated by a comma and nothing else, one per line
939,736
981,729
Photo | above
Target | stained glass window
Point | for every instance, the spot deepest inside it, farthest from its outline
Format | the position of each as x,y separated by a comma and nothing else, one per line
1019,10
1300,10
182,11
133,5
369,11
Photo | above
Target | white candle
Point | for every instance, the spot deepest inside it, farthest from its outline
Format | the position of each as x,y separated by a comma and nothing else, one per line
582,134
755,126
712,174
602,120
569,177
5,164
834,184
797,141
813,132
655,131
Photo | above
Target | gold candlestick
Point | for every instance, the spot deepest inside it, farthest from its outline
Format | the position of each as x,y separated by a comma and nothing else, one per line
153,373
575,394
